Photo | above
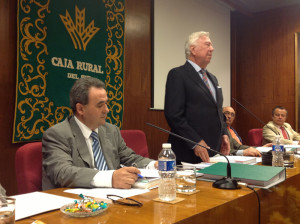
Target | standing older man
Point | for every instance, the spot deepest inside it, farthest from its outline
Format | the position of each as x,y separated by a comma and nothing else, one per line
193,104
86,151
278,126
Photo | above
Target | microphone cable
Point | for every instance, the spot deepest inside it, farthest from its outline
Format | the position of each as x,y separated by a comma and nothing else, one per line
257,196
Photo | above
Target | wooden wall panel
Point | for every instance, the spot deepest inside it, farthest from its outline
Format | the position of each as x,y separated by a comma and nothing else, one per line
138,76
8,39
263,65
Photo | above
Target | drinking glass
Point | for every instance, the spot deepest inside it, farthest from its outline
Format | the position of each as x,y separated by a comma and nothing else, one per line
185,178
7,210
288,159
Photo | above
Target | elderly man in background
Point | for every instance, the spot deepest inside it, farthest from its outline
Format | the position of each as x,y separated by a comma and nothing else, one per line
278,126
236,147
230,116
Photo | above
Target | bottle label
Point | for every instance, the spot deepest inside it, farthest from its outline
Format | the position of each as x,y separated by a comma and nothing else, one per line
277,148
164,165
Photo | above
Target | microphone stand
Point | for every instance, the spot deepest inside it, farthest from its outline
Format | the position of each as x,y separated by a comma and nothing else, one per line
224,183
263,123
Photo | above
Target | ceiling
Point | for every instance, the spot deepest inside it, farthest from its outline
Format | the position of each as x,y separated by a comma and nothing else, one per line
253,6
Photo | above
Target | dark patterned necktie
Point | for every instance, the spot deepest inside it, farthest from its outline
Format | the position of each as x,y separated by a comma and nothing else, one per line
100,162
205,79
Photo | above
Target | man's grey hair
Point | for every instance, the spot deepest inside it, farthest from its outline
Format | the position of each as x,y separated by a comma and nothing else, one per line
192,41
80,90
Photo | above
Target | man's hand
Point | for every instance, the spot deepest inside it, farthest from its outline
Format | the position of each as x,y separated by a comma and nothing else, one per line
225,146
251,152
125,177
202,152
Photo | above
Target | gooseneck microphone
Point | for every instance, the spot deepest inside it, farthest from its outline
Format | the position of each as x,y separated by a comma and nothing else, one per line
263,123
224,183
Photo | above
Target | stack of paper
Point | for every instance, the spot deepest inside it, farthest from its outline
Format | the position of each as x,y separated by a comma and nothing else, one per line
234,159
38,202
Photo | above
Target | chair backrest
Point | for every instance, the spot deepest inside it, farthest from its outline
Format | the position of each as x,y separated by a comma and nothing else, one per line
255,137
28,163
136,140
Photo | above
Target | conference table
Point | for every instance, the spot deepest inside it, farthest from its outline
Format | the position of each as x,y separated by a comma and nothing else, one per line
279,204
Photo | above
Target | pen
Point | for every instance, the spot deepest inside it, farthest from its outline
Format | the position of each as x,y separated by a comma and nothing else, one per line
134,165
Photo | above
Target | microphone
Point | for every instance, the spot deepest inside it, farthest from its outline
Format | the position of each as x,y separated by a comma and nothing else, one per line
263,123
224,183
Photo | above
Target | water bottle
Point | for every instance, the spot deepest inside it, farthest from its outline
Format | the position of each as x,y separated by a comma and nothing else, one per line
167,173
277,152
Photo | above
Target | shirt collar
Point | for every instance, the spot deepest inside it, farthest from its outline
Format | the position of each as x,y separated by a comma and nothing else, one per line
195,66
84,129
278,126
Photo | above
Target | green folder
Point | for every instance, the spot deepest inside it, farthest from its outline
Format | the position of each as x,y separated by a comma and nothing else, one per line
255,175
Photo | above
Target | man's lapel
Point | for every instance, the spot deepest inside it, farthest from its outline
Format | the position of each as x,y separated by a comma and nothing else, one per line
106,147
80,142
192,74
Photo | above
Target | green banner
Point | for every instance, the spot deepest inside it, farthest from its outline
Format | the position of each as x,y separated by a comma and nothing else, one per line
60,41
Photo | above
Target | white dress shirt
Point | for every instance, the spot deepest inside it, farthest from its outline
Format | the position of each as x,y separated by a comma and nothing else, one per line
104,177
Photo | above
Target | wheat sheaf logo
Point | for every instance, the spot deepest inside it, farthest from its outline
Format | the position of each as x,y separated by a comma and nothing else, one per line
79,34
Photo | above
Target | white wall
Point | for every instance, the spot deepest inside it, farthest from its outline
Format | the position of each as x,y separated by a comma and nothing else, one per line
174,20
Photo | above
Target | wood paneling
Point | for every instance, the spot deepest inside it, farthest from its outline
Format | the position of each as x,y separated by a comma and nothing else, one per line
8,40
263,65
138,76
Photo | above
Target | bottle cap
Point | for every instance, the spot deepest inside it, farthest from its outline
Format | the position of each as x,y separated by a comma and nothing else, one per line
166,145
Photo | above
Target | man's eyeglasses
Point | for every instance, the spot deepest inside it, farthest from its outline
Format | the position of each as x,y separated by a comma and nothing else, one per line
228,113
124,201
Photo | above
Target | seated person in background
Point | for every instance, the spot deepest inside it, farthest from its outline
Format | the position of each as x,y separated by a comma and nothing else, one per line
279,127
236,148
69,147
2,191
230,115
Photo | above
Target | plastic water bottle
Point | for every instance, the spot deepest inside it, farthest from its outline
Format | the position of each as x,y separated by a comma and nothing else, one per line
167,173
277,152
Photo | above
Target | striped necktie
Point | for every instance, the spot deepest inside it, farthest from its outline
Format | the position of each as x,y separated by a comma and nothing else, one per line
100,162
205,80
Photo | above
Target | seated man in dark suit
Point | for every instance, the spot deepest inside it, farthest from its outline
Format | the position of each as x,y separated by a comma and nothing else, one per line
86,151
236,147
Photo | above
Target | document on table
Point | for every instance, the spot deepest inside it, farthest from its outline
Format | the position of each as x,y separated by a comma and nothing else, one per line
38,202
149,172
287,148
103,192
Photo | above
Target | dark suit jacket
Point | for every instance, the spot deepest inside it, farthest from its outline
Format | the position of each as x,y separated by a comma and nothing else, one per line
67,161
192,112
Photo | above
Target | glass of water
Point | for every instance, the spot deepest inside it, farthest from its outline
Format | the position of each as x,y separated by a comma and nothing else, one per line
185,178
289,159
7,210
